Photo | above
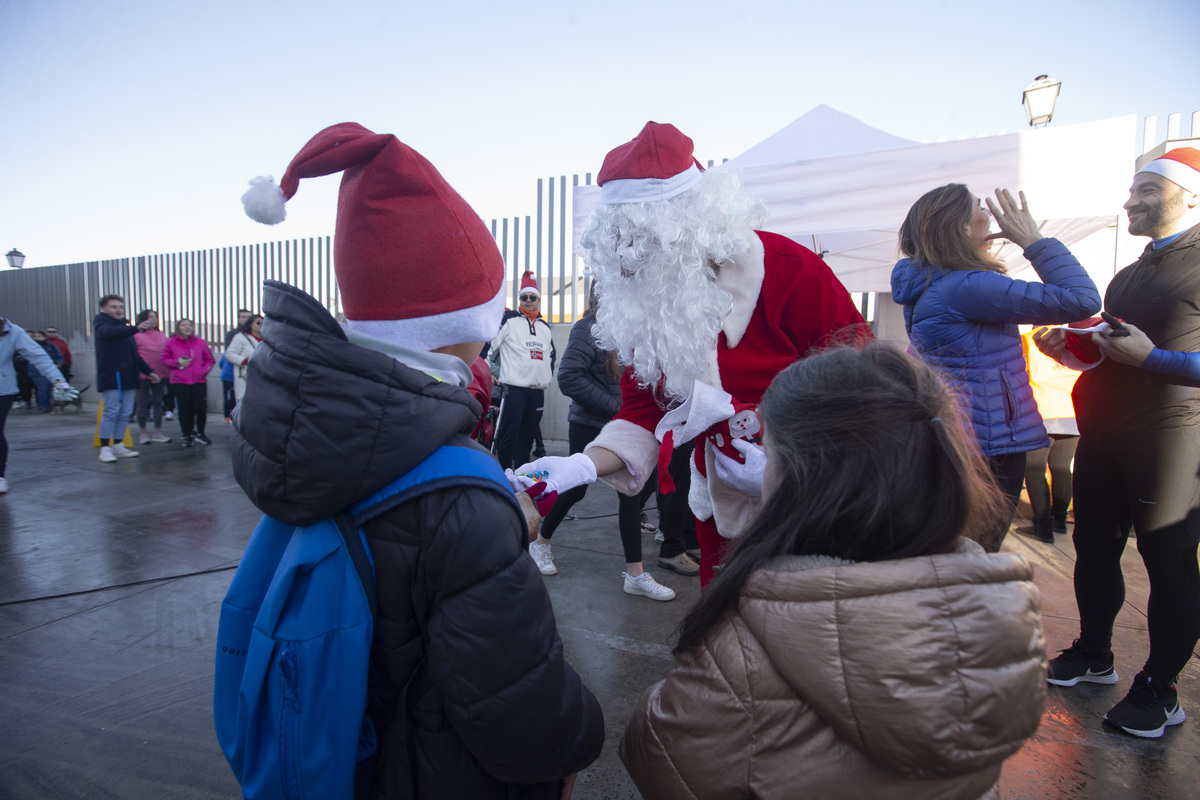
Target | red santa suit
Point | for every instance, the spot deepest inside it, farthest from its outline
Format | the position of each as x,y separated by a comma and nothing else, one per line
785,305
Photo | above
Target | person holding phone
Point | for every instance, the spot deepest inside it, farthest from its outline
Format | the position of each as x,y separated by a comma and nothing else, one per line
190,360
1138,459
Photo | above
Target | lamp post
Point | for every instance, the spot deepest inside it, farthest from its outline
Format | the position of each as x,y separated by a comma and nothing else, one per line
16,259
1039,99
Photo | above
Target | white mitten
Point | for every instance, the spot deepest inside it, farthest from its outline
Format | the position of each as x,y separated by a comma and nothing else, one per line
746,477
559,473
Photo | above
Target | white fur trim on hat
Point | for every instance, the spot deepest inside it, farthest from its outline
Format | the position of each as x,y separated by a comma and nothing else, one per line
478,323
646,190
264,201
1176,172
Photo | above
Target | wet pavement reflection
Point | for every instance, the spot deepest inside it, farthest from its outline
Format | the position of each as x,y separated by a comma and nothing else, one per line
111,578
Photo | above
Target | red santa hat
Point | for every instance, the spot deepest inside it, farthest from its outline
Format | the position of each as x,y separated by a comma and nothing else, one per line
1181,166
656,165
414,263
529,285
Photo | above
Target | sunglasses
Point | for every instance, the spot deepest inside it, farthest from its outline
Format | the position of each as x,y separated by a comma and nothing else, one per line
528,298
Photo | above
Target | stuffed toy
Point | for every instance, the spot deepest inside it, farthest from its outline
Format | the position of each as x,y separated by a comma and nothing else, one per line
745,423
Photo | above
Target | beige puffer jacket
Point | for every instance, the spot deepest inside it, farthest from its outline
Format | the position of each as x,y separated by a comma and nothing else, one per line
900,679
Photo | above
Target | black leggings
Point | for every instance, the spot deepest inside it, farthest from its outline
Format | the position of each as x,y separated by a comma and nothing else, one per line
192,399
1056,496
1148,482
578,437
1009,471
6,404
629,509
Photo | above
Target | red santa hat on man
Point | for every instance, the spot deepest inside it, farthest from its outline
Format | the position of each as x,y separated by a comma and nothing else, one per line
656,165
414,263
1181,166
529,285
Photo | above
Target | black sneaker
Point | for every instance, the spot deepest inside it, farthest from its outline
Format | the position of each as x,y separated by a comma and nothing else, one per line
202,439
187,441
1148,709
1074,665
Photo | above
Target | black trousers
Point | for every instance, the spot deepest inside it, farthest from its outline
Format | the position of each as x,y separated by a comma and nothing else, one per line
192,400
1151,483
675,517
6,404
522,413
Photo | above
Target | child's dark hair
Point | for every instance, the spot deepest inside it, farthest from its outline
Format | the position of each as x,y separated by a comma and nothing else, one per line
868,461
144,314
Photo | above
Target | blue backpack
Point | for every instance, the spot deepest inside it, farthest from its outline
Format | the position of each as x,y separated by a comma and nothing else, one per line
294,639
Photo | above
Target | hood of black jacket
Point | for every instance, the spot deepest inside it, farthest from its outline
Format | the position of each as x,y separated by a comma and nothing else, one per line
324,422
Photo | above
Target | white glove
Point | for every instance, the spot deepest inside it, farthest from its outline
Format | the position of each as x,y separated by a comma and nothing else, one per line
560,474
65,393
746,477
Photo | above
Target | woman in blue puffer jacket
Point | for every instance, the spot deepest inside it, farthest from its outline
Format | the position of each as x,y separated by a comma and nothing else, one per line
962,312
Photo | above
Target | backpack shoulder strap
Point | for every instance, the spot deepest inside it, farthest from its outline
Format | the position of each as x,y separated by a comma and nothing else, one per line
356,548
459,462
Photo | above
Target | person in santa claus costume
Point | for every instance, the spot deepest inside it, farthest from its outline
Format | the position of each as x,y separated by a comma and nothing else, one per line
704,309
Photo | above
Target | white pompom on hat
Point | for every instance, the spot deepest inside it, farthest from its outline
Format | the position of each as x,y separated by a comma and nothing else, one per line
529,285
1181,166
414,263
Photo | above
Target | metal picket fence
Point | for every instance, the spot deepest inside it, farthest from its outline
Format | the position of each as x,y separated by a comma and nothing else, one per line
209,286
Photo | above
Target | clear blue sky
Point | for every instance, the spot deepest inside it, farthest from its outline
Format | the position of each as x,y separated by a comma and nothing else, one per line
130,128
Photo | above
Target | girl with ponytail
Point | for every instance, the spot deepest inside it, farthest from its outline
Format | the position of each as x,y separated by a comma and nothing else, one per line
856,640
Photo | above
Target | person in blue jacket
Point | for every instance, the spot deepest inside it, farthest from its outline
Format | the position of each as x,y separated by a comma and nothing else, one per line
14,341
962,311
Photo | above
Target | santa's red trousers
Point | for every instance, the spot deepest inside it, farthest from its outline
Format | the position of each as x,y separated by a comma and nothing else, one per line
712,549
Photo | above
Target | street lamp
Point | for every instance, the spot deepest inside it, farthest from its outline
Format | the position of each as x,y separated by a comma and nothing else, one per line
1039,99
16,259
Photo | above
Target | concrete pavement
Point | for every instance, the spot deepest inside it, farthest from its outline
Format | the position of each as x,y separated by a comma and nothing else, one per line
111,577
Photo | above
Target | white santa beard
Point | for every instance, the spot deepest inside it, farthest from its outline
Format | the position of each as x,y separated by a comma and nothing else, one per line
664,321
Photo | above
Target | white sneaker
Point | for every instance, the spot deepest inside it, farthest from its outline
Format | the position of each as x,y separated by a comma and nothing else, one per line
3,486
143,438
170,415
540,553
106,455
159,436
646,586
658,537
121,451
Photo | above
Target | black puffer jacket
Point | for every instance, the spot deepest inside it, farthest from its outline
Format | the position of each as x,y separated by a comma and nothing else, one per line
326,423
583,376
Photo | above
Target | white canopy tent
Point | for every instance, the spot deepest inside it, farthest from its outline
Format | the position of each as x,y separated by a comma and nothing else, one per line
843,188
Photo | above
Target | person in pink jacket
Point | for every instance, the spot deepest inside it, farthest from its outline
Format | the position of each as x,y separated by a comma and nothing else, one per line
189,359
150,344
